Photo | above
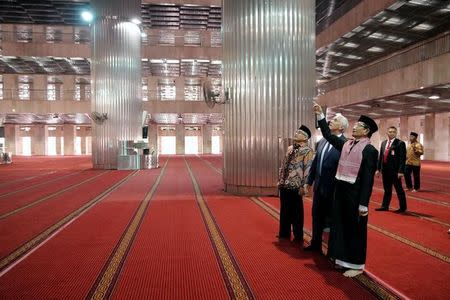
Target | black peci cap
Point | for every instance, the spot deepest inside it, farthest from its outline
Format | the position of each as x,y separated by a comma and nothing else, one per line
373,127
414,134
305,130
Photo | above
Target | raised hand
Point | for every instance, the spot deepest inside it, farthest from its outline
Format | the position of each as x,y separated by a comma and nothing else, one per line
317,108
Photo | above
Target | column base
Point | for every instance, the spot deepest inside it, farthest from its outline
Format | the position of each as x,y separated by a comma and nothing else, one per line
251,190
104,167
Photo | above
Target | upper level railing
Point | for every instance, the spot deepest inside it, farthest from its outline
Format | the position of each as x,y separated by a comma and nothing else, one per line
75,95
153,38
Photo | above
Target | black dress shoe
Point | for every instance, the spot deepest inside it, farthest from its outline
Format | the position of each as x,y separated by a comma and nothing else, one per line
283,237
382,209
298,241
399,211
311,248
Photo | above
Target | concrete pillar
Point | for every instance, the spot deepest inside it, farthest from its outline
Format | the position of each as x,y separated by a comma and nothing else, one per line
39,33
116,78
8,32
153,137
441,131
69,139
68,88
39,88
82,134
403,132
11,138
152,88
206,38
429,136
179,88
9,86
67,34
269,66
180,134
58,135
179,38
39,140
207,138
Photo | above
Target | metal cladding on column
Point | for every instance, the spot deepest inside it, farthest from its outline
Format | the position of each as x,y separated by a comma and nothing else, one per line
269,66
115,78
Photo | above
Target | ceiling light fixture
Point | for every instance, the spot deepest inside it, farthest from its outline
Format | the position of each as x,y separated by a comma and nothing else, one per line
136,21
434,97
87,16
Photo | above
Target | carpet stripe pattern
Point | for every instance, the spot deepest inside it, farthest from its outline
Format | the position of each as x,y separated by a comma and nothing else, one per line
238,286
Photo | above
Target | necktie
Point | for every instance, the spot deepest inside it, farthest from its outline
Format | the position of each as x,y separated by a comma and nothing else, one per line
324,151
386,152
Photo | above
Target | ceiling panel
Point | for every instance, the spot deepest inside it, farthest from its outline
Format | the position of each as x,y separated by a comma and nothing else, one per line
428,100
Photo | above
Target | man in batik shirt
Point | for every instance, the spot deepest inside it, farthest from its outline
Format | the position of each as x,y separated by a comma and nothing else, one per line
292,177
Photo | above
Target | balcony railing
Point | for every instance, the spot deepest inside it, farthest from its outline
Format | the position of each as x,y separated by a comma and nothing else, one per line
163,38
72,95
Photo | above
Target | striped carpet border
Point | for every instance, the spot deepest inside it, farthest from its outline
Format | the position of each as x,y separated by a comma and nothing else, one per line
39,184
365,281
25,179
237,286
40,238
394,236
107,279
42,199
421,199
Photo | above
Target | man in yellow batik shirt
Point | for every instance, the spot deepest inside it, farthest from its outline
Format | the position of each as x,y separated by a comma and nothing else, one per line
413,153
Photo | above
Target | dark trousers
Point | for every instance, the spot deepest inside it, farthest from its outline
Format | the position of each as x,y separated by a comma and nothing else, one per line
415,170
321,213
291,214
391,179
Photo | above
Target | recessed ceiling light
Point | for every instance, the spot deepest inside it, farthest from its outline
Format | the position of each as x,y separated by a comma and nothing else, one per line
433,97
375,49
87,16
413,95
136,21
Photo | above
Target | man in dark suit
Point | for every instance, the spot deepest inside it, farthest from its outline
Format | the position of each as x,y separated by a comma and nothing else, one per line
322,173
391,164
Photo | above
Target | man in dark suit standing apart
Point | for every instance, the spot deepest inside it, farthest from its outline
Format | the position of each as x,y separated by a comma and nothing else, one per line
391,164
322,173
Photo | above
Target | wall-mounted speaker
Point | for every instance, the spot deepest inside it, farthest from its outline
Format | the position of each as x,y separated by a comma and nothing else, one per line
145,132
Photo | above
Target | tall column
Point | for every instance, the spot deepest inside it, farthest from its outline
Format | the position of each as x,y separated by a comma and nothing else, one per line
179,88
82,134
268,64
115,77
39,88
39,140
179,131
69,139
10,87
152,88
58,134
404,131
11,138
68,88
207,138
153,136
428,136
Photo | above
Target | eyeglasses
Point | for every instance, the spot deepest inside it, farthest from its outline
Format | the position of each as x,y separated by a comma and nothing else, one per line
363,125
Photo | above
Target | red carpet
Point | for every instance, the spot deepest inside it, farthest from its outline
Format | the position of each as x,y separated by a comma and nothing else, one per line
67,265
173,254
172,257
19,228
19,198
275,270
